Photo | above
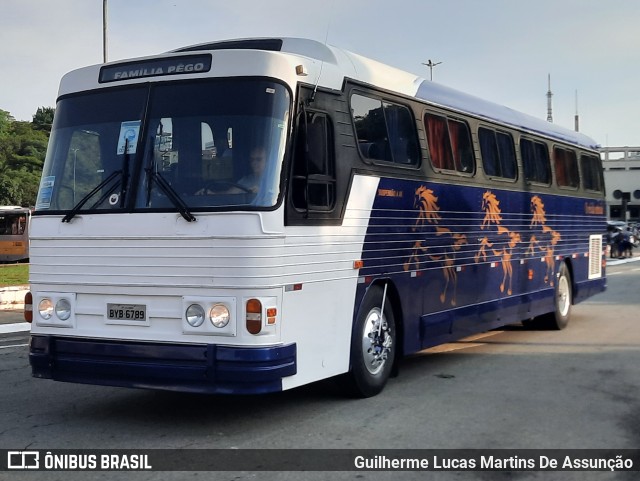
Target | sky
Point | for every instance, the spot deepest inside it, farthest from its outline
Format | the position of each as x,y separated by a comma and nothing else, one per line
500,50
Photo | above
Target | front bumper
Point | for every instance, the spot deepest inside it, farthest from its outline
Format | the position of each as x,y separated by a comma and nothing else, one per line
202,368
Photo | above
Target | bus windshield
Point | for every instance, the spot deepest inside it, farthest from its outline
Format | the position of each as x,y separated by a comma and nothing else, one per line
210,145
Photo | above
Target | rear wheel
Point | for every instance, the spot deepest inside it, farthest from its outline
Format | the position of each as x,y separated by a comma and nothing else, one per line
563,298
373,346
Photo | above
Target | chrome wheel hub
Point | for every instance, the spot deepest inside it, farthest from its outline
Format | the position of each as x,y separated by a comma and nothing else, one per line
376,341
563,296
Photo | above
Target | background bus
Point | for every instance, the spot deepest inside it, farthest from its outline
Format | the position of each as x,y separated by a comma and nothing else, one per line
391,214
14,233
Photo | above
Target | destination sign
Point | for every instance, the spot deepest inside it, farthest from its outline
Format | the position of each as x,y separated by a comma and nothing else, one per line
182,65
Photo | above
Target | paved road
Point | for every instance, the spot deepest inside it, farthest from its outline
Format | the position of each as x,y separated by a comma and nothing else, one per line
512,388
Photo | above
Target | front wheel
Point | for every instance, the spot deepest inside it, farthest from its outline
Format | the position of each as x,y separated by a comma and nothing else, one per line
373,346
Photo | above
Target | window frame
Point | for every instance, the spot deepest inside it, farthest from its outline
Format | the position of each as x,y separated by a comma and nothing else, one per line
498,151
536,144
595,166
386,102
456,162
563,157
328,178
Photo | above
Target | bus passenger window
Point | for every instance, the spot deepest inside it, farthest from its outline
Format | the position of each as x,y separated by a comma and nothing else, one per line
489,151
507,152
439,144
385,131
371,130
542,163
402,136
566,167
449,144
591,173
461,146
528,159
498,153
535,157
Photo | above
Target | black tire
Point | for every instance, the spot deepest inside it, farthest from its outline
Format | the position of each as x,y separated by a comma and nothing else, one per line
562,301
373,347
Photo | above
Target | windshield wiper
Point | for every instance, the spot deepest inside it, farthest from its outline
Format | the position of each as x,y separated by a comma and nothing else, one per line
170,192
124,172
72,213
173,196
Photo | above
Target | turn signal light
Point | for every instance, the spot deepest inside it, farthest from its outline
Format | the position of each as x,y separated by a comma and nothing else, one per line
28,307
254,316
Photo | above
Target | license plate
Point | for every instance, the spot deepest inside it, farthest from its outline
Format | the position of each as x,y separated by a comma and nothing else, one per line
126,312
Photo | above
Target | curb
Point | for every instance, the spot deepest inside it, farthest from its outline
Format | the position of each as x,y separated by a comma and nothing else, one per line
12,297
617,262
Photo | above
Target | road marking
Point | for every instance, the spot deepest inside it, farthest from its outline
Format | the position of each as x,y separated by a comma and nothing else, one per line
13,345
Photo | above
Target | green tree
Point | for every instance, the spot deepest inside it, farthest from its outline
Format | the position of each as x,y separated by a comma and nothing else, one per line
5,121
43,119
23,147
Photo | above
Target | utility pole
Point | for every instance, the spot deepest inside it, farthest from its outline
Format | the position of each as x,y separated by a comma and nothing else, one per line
549,95
576,119
104,30
430,64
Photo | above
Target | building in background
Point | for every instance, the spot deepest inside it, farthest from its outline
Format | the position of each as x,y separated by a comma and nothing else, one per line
622,180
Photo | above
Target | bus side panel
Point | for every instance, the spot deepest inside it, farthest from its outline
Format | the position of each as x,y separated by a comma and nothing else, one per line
467,259
316,309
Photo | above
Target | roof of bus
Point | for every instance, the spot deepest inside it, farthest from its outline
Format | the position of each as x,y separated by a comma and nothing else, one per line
350,65
329,66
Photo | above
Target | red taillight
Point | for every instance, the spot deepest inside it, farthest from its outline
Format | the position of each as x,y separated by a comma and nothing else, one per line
254,316
28,307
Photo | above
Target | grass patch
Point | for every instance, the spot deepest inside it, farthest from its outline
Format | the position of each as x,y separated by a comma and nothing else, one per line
14,274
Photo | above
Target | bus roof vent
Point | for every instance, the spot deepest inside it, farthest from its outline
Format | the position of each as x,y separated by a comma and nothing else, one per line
272,44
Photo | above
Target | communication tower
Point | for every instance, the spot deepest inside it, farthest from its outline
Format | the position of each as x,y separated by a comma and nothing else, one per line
576,119
549,95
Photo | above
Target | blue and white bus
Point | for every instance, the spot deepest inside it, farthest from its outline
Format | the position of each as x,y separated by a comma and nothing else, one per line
253,215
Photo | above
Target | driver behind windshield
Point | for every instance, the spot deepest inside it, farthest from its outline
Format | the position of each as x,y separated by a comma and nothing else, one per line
257,160
250,183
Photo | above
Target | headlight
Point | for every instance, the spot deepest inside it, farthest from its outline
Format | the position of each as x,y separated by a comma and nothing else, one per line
195,315
45,308
63,309
219,315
